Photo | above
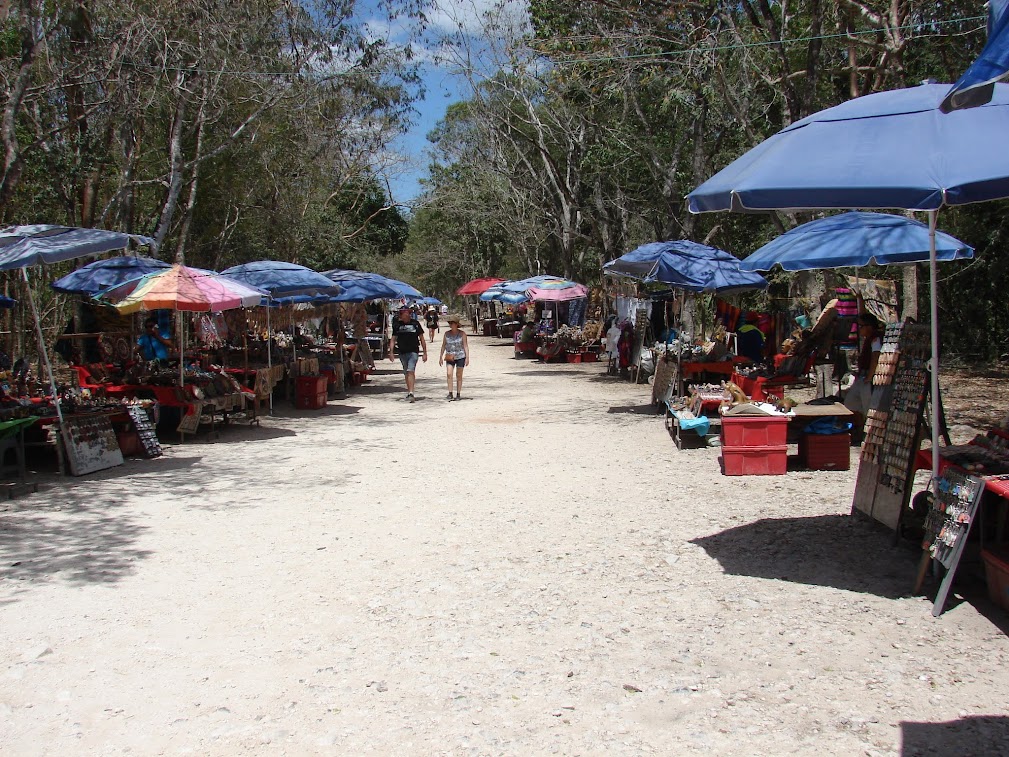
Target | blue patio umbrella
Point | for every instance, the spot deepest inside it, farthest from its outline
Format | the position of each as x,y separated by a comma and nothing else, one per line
100,275
360,286
686,265
282,279
891,149
855,239
975,86
6,302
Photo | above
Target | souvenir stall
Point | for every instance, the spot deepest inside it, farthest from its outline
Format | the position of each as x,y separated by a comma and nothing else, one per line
84,437
471,291
685,266
198,390
296,286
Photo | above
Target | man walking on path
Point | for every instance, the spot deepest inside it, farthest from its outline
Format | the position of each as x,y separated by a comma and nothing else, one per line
409,335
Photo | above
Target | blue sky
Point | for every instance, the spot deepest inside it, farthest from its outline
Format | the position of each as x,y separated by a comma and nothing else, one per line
447,19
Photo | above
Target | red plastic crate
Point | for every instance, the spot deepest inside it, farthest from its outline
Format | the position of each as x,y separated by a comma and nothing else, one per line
310,386
590,357
825,451
754,430
996,571
310,402
755,461
574,357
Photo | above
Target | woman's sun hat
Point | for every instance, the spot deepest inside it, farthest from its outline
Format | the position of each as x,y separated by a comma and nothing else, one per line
454,318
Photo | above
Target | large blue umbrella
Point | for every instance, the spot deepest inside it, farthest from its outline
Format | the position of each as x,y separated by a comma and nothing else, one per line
891,149
686,265
359,286
855,239
104,274
975,86
22,246
282,279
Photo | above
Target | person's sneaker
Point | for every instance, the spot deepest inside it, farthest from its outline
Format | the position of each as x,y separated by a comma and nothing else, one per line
458,396
410,397
450,397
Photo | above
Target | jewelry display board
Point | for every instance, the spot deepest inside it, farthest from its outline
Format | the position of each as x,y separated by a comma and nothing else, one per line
893,424
90,444
145,431
952,509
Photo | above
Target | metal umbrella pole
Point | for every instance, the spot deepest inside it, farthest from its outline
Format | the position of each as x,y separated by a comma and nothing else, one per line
269,354
933,286
48,365
42,346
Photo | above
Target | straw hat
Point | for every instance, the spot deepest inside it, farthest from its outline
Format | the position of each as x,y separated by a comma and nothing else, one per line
454,318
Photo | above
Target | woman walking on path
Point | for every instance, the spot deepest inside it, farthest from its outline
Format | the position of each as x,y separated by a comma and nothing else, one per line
455,355
431,316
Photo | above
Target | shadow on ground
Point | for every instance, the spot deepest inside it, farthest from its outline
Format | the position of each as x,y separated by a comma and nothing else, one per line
840,551
647,409
79,544
979,735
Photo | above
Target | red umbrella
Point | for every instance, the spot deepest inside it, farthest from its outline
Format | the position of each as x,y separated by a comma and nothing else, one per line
477,286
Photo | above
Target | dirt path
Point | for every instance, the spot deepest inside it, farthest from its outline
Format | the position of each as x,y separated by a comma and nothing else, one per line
534,569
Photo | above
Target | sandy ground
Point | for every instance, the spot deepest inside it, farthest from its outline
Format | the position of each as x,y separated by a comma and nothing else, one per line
535,569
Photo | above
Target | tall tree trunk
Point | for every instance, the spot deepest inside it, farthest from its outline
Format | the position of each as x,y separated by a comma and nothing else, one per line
175,166
13,163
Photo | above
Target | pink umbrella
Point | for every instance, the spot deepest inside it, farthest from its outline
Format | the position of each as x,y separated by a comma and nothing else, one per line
557,290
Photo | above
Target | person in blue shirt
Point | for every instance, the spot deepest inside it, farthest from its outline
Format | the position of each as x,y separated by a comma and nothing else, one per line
151,345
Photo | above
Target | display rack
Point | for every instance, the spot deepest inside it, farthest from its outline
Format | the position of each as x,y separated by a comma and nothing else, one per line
894,423
145,431
953,508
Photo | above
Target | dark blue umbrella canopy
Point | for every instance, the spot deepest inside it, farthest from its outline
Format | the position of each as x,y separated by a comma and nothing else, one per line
854,239
7,302
976,85
38,244
359,286
104,274
282,279
686,265
891,149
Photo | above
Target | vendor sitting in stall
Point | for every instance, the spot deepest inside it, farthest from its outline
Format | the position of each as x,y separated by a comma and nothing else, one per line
750,339
152,345
527,334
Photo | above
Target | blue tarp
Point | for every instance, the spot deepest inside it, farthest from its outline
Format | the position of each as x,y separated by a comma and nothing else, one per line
854,239
686,265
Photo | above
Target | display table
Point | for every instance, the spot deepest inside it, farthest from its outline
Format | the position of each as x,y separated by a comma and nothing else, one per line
12,438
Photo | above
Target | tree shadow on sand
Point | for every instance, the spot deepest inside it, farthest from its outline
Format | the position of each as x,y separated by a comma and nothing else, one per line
84,544
841,551
978,735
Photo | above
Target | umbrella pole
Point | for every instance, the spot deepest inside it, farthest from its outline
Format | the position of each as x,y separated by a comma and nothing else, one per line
933,287
42,348
182,349
269,354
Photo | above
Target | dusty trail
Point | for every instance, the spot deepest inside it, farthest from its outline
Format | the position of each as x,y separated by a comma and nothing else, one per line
534,569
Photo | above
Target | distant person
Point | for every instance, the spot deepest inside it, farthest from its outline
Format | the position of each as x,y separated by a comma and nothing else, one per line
432,323
151,344
455,355
409,335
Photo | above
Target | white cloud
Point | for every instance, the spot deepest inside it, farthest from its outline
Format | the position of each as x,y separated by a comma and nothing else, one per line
470,16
